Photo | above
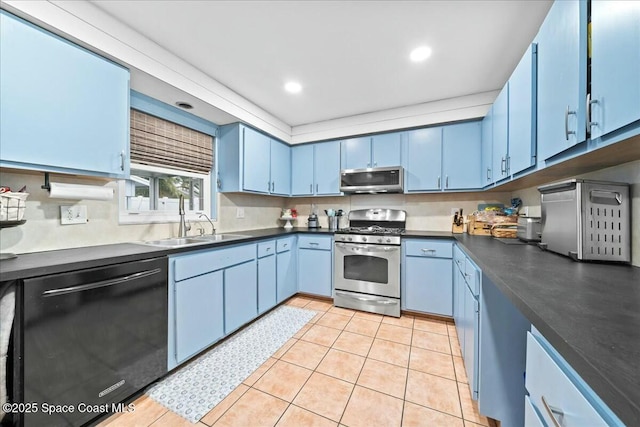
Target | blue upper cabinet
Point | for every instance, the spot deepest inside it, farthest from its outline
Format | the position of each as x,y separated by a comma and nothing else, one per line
302,183
562,78
253,162
500,135
424,159
280,168
326,168
615,66
62,108
382,150
522,113
461,151
487,148
386,150
257,164
315,169
357,153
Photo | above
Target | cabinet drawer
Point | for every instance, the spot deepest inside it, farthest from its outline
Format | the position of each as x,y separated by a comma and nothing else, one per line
193,265
266,248
314,242
283,245
546,380
429,248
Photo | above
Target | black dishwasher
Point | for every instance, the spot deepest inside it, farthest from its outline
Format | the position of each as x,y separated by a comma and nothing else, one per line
91,338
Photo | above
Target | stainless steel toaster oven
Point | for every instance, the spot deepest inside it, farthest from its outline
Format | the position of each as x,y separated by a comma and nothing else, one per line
587,220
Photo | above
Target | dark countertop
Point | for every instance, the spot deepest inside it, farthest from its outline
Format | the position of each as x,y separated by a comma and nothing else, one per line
589,312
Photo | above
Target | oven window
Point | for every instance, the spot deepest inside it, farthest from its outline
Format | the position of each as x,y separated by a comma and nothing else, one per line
366,268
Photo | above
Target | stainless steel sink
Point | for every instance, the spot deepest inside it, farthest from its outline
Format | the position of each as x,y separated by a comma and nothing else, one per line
220,237
175,242
180,242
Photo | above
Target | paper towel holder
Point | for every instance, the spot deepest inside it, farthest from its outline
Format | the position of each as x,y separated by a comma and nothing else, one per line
47,185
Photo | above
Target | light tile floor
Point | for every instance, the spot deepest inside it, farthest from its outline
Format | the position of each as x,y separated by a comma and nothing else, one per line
345,368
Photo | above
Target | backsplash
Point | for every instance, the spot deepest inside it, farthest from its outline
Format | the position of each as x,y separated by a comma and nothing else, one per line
43,230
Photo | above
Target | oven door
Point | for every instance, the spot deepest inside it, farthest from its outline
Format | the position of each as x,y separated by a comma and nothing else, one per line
369,269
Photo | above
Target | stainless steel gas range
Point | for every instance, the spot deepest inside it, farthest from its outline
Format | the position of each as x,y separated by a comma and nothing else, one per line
367,261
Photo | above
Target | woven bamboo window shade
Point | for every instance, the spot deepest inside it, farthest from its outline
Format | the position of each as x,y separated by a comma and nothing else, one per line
158,142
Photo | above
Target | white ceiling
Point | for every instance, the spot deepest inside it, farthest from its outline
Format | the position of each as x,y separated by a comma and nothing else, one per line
352,57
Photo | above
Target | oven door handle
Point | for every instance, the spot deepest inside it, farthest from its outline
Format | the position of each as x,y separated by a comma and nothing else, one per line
368,248
376,301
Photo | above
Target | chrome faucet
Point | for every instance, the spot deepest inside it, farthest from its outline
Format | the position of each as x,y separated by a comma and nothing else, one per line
213,228
182,230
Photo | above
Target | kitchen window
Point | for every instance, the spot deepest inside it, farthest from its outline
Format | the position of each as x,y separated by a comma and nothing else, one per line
167,161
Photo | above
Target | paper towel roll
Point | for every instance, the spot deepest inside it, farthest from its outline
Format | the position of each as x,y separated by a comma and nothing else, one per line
79,192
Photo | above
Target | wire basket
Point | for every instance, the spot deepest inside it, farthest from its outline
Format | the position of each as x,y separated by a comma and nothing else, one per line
12,206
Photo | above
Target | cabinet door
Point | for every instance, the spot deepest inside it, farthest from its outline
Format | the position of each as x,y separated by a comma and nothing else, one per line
240,295
302,170
470,350
280,168
327,167
487,148
615,65
522,113
385,149
199,319
500,134
266,283
428,285
562,77
285,275
461,152
460,317
62,108
357,153
424,159
257,163
314,272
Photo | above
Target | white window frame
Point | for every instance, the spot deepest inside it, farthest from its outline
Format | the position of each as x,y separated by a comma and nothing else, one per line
157,217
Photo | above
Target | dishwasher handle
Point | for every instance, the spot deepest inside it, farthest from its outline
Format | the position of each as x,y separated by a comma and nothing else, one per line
100,284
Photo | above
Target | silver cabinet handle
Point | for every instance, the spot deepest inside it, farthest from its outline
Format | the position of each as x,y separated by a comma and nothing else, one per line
285,245
568,132
552,413
590,102
122,158
316,188
314,243
446,182
503,166
428,251
219,181
310,188
508,164
488,174
438,181
273,185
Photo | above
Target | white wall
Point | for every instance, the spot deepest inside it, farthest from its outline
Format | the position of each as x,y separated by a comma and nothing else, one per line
628,172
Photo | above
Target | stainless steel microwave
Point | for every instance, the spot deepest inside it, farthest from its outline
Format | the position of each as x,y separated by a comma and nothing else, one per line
372,180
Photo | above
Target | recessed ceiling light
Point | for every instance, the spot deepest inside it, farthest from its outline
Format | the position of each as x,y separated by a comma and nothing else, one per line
293,87
421,53
184,105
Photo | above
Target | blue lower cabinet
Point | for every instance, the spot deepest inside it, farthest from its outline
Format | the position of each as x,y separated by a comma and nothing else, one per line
286,273
428,285
199,320
266,283
240,295
470,348
314,269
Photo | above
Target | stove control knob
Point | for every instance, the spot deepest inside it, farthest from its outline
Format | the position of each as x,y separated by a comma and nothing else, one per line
379,239
388,240
364,239
349,238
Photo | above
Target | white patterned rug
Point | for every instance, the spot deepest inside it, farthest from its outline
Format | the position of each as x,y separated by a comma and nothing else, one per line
195,389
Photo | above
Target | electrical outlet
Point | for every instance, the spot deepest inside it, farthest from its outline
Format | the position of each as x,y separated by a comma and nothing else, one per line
239,212
75,214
